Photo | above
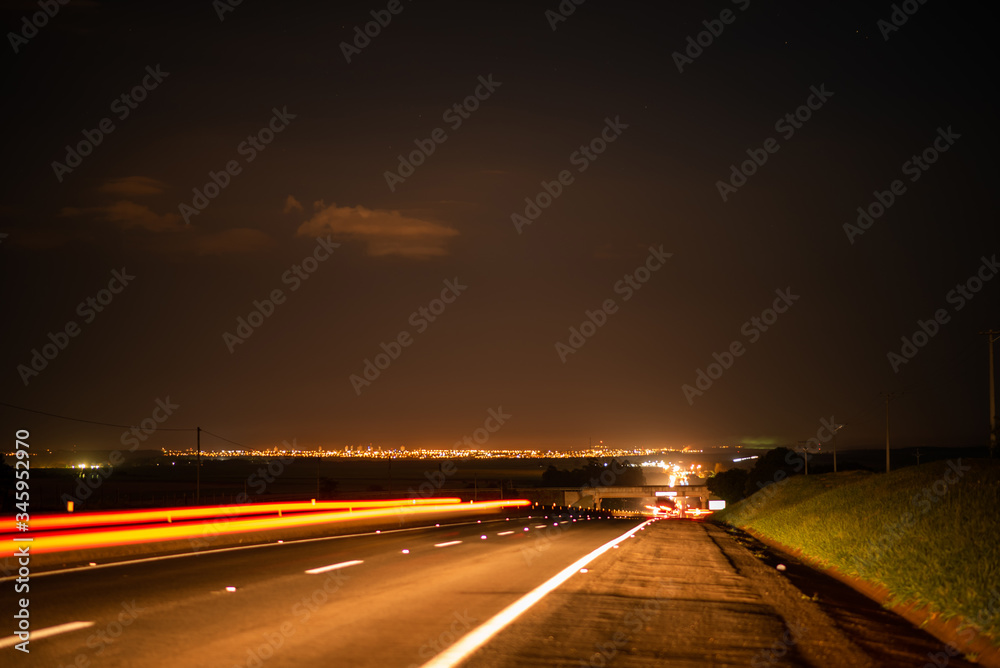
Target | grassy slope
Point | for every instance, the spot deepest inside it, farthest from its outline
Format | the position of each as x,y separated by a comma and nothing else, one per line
927,540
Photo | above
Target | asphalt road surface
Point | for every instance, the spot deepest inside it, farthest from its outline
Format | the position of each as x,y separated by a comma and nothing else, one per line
676,593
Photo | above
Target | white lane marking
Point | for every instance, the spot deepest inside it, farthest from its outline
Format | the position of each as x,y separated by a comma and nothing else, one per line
505,533
217,550
479,636
333,567
448,544
10,641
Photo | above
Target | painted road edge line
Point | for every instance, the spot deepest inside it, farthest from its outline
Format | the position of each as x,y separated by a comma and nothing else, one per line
10,641
479,636
333,567
219,550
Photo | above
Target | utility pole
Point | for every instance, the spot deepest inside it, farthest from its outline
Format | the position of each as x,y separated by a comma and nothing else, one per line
992,337
319,466
889,396
835,430
805,454
197,484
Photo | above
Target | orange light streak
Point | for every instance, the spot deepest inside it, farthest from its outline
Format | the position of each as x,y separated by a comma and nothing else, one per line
56,541
179,514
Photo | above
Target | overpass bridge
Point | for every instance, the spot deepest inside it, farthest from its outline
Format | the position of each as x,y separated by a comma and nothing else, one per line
693,496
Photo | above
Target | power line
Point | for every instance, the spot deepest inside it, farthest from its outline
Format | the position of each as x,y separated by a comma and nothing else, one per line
912,387
103,424
118,426
205,431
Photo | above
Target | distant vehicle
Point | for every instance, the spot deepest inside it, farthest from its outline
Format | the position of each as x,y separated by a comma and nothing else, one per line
682,512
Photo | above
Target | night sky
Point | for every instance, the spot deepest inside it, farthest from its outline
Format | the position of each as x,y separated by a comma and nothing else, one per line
627,129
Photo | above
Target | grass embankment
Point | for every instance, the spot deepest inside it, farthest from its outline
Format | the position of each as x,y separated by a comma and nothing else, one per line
929,534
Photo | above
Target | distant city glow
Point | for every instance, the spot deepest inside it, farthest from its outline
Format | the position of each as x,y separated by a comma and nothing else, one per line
377,452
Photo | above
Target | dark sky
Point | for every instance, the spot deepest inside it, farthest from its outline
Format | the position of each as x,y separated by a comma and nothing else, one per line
323,177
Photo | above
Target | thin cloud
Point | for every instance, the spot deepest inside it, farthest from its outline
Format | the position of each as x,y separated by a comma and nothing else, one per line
168,230
128,215
386,232
292,204
133,186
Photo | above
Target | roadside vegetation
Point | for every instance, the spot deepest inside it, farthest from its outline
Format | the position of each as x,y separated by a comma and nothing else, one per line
929,534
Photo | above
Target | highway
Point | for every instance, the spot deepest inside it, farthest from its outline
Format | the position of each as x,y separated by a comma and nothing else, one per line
393,608
674,593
